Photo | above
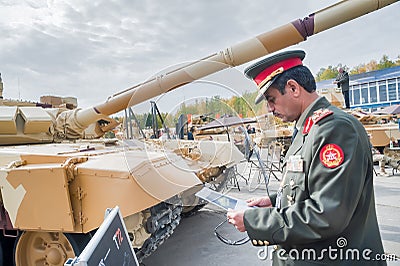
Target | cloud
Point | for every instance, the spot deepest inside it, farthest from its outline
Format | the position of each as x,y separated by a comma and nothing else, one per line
93,49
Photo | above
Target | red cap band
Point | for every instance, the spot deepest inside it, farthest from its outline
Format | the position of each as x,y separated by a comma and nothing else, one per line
286,64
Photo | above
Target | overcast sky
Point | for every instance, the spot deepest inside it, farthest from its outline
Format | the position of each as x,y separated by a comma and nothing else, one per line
93,49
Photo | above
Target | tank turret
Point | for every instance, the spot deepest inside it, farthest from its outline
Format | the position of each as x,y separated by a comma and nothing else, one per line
53,195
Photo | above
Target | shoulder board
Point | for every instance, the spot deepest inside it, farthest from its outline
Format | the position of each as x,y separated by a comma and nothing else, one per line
317,116
321,114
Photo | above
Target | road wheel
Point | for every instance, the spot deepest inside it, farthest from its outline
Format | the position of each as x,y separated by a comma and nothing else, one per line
48,248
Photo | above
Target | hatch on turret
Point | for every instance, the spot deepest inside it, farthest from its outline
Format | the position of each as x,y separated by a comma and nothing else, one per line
37,120
22,125
8,117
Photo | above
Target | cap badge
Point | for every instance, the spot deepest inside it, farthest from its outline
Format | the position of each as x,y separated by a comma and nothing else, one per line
271,76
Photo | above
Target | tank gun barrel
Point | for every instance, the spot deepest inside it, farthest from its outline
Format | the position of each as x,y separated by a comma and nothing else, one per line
279,38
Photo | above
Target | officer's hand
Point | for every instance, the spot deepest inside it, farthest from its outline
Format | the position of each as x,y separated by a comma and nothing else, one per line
236,219
259,202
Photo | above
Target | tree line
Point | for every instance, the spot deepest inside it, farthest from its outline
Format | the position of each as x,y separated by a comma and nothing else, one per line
332,71
212,107
244,106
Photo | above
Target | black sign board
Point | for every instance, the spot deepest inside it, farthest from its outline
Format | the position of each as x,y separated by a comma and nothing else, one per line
109,246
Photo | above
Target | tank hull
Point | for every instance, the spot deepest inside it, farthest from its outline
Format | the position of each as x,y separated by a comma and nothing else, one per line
70,192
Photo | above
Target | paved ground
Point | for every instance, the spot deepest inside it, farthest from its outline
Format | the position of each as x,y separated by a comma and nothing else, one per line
387,193
194,243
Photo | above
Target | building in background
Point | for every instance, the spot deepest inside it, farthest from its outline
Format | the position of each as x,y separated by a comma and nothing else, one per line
369,91
45,101
55,101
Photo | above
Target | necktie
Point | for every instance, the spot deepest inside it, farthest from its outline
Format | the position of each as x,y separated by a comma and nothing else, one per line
295,130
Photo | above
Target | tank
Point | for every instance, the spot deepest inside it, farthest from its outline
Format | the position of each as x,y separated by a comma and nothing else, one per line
382,129
55,185
213,162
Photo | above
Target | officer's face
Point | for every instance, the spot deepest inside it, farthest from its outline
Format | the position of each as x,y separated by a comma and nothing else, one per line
282,106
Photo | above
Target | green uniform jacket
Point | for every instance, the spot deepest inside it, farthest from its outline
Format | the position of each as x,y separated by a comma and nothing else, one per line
327,213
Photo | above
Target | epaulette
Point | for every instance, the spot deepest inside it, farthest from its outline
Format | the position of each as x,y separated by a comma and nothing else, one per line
316,117
321,114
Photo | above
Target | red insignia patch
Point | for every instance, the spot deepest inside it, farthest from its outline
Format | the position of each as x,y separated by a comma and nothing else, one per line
331,155
307,126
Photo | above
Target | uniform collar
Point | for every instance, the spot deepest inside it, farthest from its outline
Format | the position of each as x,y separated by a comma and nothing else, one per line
305,114
320,102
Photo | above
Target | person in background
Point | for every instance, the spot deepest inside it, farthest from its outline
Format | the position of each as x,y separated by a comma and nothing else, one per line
325,204
342,81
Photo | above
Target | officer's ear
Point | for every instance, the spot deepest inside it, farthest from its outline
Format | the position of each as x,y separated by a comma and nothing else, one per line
293,87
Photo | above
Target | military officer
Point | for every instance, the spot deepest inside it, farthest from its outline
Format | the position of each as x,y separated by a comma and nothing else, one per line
324,211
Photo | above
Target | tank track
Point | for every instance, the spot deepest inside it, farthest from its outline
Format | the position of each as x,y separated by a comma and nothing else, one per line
162,222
